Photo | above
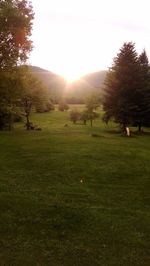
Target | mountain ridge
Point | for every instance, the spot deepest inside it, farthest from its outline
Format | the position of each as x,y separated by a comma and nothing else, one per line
80,88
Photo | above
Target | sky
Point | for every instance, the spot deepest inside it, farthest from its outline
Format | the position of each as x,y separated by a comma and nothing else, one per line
75,37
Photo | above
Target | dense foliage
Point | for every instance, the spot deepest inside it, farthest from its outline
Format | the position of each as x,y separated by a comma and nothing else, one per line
127,88
63,106
10,93
20,92
15,29
33,95
15,44
88,113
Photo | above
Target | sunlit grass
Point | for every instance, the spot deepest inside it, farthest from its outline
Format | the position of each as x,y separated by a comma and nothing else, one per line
67,198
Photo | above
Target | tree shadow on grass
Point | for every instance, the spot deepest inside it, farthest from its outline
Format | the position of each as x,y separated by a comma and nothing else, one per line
120,133
142,133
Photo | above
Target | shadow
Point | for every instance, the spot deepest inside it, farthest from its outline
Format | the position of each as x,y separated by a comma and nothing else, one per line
142,133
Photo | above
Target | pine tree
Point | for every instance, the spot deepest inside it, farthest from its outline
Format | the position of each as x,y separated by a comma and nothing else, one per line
142,97
121,84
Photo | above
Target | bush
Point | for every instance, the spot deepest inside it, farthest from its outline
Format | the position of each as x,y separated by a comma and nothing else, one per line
84,116
18,118
49,107
74,116
46,107
63,106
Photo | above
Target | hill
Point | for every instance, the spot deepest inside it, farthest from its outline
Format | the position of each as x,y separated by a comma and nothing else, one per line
77,90
54,82
95,79
87,85
46,76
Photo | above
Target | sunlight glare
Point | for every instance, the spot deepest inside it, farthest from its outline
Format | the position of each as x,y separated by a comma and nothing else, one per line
74,38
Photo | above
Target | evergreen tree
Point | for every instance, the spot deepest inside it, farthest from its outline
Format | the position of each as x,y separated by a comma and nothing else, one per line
121,85
142,98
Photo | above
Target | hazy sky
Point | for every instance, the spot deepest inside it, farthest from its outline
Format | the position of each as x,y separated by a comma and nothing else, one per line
74,37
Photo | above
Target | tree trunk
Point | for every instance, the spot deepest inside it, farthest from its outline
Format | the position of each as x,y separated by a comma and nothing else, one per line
124,127
28,122
10,121
91,122
139,127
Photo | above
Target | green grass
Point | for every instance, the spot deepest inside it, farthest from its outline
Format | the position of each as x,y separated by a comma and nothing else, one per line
49,217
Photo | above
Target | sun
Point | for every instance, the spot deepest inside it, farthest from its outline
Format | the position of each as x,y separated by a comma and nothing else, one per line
71,76
71,79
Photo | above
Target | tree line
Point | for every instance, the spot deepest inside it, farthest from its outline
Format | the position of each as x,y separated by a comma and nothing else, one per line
89,113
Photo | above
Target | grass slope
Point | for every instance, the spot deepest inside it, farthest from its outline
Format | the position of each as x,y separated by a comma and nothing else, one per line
48,217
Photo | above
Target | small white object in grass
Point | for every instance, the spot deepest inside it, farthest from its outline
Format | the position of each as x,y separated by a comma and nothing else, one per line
81,181
128,131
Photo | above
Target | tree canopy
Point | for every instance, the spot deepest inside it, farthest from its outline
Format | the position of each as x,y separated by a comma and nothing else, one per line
15,30
19,90
127,88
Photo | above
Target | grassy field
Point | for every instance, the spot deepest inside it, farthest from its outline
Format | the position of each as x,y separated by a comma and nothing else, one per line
70,199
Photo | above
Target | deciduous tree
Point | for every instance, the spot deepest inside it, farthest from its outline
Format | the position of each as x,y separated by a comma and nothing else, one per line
92,103
15,30
74,116
33,94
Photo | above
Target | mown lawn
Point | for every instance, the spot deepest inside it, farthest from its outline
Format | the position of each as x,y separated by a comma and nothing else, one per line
70,199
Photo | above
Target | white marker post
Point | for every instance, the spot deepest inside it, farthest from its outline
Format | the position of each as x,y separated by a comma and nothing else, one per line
128,131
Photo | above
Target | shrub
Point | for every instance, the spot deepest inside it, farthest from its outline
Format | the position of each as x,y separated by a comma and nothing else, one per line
74,116
63,106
